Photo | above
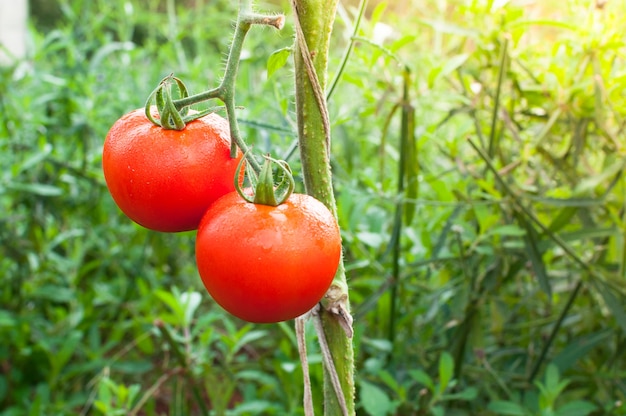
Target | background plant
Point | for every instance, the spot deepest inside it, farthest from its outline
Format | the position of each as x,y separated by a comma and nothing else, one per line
514,271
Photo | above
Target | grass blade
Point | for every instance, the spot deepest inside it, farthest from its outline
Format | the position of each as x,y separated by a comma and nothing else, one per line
534,255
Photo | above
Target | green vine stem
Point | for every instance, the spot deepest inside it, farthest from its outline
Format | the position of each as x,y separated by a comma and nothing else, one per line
313,21
348,51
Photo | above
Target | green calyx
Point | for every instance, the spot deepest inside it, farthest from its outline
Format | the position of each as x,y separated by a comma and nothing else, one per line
264,189
171,117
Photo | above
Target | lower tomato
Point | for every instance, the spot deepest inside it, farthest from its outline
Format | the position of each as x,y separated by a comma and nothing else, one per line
268,264
166,179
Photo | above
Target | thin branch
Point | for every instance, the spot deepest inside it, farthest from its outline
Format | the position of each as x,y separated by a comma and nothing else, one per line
557,327
301,337
348,51
517,201
226,90
160,381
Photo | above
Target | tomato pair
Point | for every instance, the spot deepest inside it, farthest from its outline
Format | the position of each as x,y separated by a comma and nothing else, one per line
259,262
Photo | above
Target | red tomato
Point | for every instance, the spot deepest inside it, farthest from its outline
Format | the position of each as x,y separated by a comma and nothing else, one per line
267,264
166,179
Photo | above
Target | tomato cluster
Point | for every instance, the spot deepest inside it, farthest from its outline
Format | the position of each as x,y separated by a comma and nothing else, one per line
261,263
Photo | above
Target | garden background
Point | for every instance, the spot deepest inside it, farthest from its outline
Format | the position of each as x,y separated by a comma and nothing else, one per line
478,156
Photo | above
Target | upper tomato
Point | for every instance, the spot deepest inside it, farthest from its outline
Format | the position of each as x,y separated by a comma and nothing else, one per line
268,264
165,179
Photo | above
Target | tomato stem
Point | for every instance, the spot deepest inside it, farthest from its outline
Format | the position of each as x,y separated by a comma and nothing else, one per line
264,189
225,92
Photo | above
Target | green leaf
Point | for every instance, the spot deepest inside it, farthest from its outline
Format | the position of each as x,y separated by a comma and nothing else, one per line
543,22
190,301
409,154
378,12
446,368
507,408
563,218
579,347
255,407
468,394
36,188
450,65
590,183
105,388
41,400
589,233
7,320
105,51
449,28
374,400
54,293
133,367
170,300
102,406
133,391
552,380
248,338
615,305
508,230
371,239
531,244
382,345
63,355
390,381
403,41
260,377
35,159
551,388
576,408
422,378
438,411
122,395
277,60
4,387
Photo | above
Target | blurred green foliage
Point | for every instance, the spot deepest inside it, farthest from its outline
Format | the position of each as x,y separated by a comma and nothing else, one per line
489,280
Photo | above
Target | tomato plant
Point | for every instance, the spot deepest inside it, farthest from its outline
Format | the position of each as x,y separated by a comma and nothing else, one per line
165,179
267,263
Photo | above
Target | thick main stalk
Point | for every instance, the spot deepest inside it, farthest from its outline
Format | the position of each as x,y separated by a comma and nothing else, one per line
314,20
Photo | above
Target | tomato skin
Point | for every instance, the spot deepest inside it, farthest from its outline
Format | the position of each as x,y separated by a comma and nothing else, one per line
267,264
163,179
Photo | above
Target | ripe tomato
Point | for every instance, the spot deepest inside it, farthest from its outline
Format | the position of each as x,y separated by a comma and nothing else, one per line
166,179
267,264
